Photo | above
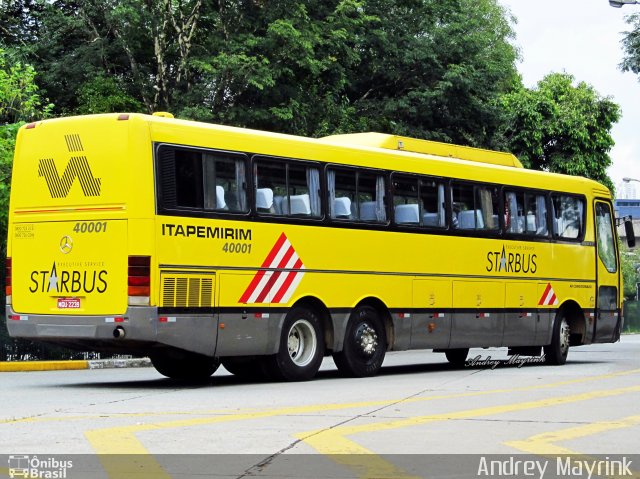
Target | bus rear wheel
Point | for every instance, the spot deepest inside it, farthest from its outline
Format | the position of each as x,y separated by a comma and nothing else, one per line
301,347
556,353
184,366
365,344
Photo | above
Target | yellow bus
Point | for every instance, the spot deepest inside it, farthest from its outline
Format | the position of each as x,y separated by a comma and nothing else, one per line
200,245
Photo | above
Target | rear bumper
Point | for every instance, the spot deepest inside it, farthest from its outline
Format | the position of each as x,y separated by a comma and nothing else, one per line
139,331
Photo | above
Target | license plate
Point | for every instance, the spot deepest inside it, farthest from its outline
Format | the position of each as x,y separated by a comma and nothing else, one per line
68,303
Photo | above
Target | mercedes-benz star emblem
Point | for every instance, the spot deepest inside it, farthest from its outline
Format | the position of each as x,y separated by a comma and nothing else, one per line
66,244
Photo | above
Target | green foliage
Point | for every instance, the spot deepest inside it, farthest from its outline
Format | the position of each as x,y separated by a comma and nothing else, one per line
103,94
630,260
631,45
435,69
19,96
7,145
424,68
561,128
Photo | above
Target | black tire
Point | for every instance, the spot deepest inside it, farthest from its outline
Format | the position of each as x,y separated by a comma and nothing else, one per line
457,357
301,347
245,367
365,344
556,353
184,366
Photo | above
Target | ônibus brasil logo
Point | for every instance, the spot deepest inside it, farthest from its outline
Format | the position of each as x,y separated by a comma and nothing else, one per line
38,468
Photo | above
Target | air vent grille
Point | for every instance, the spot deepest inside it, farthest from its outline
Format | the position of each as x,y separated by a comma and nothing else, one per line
187,291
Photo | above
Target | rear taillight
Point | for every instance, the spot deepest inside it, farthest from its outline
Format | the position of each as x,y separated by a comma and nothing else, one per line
7,279
139,281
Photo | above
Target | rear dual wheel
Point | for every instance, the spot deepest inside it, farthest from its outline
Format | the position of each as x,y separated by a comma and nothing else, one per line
365,344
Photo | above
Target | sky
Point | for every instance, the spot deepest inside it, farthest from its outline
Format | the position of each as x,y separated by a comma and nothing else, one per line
583,38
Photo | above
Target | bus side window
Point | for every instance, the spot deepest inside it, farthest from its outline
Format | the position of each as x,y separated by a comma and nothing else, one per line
514,212
371,191
487,206
294,187
568,213
432,201
341,184
406,206
536,222
462,200
224,183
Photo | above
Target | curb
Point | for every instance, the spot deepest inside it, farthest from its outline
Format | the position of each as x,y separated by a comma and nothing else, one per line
22,366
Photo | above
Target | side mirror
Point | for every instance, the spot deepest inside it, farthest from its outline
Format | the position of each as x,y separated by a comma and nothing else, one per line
631,236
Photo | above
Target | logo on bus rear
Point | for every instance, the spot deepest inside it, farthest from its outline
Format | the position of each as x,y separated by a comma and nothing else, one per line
78,167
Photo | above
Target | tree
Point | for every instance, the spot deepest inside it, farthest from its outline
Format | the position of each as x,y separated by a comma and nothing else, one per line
425,68
435,70
20,101
630,262
561,128
19,96
631,45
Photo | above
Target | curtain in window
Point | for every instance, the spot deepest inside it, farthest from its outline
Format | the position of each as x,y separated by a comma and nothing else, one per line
580,207
313,184
241,190
541,215
512,213
381,214
486,204
331,186
441,209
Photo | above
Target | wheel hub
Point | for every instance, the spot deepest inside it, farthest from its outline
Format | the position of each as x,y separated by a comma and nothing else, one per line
301,342
367,339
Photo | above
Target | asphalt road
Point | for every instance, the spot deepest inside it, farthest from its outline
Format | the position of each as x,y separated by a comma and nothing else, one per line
417,407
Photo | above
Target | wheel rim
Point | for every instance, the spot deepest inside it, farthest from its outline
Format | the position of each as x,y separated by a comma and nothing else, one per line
564,337
302,342
366,340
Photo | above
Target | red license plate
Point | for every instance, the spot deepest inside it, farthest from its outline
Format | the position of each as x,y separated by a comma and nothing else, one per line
68,303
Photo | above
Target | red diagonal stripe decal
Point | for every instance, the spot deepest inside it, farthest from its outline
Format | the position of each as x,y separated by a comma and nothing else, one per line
274,277
265,264
287,283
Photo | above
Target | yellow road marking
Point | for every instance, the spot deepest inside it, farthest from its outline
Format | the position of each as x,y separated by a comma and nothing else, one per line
543,444
334,443
122,440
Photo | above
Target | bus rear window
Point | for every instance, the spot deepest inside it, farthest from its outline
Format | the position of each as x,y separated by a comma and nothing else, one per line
202,180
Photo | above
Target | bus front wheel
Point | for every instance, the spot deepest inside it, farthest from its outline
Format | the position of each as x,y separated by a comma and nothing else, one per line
184,366
457,357
365,344
301,347
556,352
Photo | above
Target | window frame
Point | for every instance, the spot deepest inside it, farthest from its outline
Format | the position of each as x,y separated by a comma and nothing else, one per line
286,161
357,170
583,223
160,180
419,178
477,232
548,214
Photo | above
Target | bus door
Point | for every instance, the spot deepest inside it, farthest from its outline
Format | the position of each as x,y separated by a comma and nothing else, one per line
607,326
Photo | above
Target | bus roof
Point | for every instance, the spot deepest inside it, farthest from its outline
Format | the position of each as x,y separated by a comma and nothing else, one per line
404,143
